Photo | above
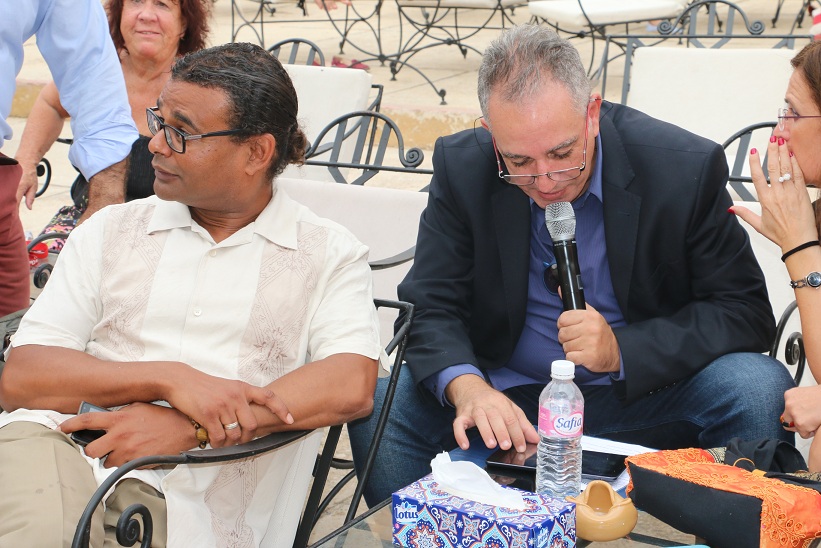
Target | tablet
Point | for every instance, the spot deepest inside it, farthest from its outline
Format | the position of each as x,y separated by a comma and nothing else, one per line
595,465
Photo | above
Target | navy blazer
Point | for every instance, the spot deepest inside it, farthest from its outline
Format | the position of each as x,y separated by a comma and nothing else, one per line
683,271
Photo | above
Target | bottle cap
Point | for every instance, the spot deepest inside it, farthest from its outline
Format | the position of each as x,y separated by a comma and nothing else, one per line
563,369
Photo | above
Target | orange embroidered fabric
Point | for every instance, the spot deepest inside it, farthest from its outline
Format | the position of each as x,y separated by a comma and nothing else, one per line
790,514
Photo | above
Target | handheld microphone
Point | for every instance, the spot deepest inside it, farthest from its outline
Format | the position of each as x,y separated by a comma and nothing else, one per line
561,224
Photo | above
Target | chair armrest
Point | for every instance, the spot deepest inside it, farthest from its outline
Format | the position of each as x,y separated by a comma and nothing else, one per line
128,529
794,345
396,260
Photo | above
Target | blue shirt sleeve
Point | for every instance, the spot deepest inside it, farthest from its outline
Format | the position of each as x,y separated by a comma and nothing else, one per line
437,382
73,37
620,376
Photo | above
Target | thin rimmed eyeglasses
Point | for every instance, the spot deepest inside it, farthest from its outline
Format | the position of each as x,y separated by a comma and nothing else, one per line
787,113
176,138
558,175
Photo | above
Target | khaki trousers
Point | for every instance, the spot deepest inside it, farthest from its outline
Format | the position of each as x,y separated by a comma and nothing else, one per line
46,484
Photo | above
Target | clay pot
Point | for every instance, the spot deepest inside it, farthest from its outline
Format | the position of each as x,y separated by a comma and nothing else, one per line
601,514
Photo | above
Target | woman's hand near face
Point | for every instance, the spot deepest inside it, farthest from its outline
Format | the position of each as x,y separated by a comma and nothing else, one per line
787,217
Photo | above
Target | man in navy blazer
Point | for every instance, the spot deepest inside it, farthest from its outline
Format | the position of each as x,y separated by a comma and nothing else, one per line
667,351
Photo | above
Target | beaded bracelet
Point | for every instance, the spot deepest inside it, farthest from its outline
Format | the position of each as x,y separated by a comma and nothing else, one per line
202,433
799,248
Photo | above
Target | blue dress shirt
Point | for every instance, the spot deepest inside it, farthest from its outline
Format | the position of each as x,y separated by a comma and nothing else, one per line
73,37
538,346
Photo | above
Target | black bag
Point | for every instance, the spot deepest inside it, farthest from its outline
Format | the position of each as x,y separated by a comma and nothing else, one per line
745,495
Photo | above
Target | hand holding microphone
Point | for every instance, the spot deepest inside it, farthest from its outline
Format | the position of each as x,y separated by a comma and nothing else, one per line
587,338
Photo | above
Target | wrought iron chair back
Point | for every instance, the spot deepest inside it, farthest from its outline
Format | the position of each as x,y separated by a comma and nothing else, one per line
806,5
299,51
434,23
700,25
591,18
373,134
316,504
738,148
788,345
691,77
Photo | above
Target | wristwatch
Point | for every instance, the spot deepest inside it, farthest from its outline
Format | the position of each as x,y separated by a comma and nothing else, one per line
813,279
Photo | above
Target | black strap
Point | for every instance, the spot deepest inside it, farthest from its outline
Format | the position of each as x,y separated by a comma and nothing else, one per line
796,249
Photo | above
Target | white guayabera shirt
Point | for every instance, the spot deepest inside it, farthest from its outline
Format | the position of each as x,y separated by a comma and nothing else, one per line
142,281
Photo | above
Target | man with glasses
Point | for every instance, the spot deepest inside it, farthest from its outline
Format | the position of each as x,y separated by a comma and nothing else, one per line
220,296
667,350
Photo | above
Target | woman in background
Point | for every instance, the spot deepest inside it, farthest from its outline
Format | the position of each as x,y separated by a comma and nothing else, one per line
149,36
790,220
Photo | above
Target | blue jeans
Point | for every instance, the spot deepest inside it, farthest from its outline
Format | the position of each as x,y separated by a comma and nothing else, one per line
737,395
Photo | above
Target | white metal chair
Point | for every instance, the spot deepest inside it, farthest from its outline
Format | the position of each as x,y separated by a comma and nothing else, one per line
593,16
692,81
325,93
788,346
590,18
799,17
435,23
387,221
299,51
384,219
358,146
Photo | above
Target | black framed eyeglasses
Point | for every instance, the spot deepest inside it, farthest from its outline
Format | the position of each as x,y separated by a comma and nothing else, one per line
176,138
558,175
787,113
551,277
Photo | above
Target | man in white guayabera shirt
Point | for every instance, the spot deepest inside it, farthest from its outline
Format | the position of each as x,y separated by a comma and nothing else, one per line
221,296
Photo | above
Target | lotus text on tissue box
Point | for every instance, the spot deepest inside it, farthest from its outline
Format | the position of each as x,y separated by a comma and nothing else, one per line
424,515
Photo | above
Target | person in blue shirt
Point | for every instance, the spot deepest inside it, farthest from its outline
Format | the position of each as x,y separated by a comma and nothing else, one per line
73,37
668,348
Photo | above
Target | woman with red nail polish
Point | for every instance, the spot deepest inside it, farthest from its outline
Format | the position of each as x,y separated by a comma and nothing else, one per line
791,221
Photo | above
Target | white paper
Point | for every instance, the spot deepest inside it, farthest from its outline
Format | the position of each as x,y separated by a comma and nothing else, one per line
601,445
589,443
466,480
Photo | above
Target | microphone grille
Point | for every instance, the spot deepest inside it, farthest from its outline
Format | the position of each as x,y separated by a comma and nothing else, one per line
560,220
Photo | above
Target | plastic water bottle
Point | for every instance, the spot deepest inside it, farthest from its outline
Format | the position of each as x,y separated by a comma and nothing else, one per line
561,418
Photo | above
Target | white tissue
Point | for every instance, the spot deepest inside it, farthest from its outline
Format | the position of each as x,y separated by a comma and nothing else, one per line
466,480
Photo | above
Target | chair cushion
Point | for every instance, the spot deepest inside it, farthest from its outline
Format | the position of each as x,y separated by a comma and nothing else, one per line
568,15
709,91
318,107
384,219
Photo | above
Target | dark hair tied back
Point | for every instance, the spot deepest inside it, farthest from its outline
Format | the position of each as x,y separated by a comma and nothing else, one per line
263,98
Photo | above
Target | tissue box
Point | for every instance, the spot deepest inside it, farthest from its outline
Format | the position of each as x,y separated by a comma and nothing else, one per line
424,515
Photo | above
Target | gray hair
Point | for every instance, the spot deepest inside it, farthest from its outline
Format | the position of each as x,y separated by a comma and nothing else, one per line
518,62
